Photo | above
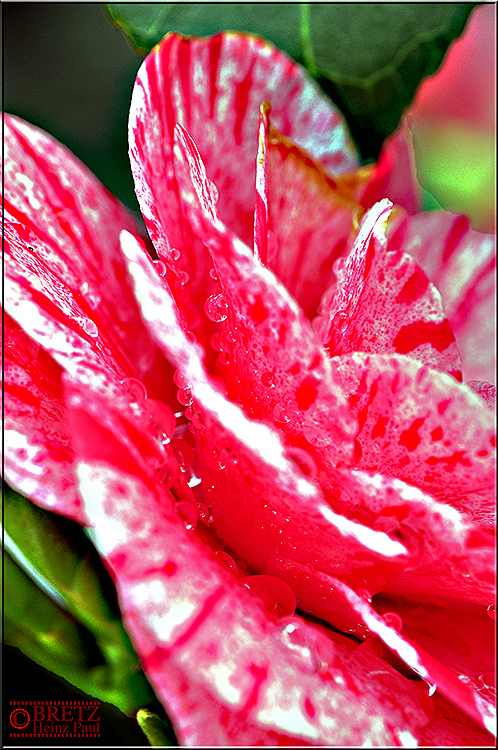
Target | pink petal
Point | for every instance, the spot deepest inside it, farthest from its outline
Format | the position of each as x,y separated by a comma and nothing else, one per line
461,263
384,302
241,458
38,452
214,88
424,664
451,554
227,672
394,174
275,361
422,426
310,216
73,224
459,634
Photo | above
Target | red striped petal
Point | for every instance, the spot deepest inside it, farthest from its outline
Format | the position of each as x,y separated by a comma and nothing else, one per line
38,452
422,426
384,302
204,639
461,263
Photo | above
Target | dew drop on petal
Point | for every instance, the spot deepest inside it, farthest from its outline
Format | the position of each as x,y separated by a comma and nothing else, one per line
89,327
393,620
223,358
188,514
183,277
227,559
203,510
161,418
216,308
174,253
212,274
303,459
282,563
492,611
160,267
278,597
136,389
185,397
183,454
267,380
280,415
340,320
365,594
432,689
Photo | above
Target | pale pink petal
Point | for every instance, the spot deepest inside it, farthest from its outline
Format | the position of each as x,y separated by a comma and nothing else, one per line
383,302
38,454
72,223
422,426
461,264
227,672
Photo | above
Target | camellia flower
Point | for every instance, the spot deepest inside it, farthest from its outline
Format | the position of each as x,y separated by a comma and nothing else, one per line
266,410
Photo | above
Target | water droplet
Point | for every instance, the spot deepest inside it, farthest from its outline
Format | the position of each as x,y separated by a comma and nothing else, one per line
182,277
185,397
365,594
188,514
314,647
340,320
432,689
162,470
198,420
303,459
268,380
338,265
314,432
212,274
278,597
160,267
492,611
180,379
393,620
136,389
215,342
161,419
362,630
223,358
227,559
89,327
203,510
486,685
465,679
174,253
282,563
280,415
183,454
216,308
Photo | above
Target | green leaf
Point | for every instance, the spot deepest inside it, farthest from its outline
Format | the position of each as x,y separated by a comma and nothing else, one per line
61,607
368,57
158,732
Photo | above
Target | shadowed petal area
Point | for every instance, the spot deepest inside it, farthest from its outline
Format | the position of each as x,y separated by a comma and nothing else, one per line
384,302
228,672
38,452
461,264
451,552
422,426
469,700
71,236
309,216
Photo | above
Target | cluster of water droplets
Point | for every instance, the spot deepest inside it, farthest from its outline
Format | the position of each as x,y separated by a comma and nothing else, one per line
314,649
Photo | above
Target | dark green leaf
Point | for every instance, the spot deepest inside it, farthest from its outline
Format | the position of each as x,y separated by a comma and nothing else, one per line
158,732
368,57
58,593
